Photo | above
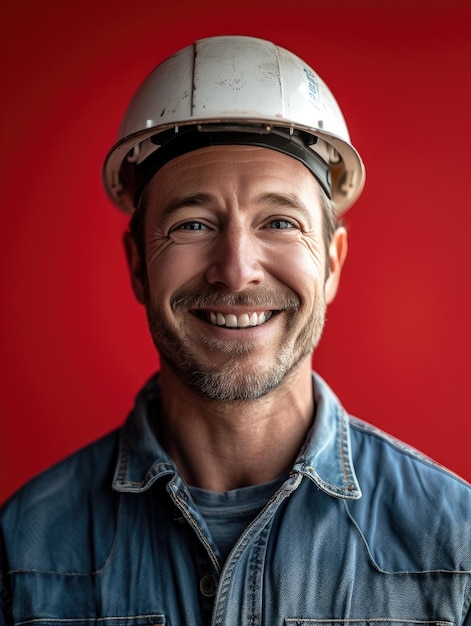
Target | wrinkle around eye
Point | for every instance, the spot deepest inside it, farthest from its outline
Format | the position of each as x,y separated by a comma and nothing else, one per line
314,243
156,245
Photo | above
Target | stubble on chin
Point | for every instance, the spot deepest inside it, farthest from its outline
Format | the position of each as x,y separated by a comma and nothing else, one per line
237,378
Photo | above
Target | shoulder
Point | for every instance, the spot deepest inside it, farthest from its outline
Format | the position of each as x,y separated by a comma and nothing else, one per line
78,471
414,513
374,447
59,502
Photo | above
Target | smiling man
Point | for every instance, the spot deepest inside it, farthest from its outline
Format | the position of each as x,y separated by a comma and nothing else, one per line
239,491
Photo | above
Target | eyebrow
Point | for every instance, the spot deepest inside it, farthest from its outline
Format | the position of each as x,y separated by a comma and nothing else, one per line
195,199
288,200
282,199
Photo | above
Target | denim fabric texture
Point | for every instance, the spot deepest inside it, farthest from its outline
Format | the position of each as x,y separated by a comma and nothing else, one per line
365,531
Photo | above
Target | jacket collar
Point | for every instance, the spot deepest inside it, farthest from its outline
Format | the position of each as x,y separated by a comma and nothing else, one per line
325,458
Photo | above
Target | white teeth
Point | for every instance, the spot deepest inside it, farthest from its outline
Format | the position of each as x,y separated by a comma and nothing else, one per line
231,321
242,321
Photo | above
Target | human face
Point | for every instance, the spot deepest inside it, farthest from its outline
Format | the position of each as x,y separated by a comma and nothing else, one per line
235,266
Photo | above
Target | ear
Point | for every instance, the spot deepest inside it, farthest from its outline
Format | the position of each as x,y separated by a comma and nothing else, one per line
136,267
337,254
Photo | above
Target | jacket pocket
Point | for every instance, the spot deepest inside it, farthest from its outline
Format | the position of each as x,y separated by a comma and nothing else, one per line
137,620
372,621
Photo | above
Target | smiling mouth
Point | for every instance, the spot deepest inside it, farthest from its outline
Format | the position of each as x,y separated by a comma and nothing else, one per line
229,320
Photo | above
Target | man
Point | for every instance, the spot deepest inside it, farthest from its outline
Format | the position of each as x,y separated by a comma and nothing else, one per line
238,491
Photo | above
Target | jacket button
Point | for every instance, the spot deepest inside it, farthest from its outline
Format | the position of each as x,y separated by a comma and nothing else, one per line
208,586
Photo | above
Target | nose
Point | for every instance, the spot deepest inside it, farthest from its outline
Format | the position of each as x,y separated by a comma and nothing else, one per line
236,261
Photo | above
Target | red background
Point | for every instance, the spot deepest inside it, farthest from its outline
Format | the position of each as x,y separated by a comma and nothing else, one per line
74,344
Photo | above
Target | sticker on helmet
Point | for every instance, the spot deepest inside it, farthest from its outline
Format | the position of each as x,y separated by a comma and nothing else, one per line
313,85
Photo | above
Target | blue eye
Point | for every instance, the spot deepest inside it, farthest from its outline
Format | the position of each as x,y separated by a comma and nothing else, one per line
192,226
280,224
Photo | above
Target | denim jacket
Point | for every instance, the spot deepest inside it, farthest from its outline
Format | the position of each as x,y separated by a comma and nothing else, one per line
364,532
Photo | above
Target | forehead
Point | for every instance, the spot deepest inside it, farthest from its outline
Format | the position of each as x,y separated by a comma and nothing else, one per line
242,170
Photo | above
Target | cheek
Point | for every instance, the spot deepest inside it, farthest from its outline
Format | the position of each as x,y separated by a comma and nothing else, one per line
170,270
300,266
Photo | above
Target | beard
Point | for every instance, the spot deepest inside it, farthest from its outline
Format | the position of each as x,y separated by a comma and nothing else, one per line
236,379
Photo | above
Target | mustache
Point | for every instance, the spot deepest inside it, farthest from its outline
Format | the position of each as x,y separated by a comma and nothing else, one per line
205,298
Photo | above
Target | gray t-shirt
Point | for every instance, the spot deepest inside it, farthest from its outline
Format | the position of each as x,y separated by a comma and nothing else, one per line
229,513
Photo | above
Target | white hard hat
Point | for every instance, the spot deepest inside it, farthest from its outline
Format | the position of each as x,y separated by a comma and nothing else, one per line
233,90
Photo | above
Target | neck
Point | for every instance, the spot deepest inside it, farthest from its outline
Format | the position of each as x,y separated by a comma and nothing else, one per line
222,446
